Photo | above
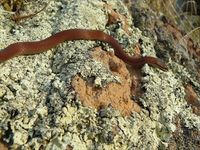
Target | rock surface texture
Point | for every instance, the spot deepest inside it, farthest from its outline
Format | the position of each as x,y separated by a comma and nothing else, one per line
79,95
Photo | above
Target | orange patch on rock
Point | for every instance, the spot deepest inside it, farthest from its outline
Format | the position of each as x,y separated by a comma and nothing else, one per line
192,99
115,94
114,17
192,47
3,146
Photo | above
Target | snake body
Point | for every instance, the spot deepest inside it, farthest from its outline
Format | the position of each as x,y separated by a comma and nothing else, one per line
26,48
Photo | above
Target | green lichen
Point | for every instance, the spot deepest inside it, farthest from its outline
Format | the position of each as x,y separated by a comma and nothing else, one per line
48,108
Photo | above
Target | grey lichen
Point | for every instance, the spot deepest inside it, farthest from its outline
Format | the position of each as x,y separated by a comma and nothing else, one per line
37,103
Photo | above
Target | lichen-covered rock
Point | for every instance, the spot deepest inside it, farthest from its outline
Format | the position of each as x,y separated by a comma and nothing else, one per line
39,109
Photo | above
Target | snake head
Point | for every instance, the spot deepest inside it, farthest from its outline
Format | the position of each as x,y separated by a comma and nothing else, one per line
157,63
